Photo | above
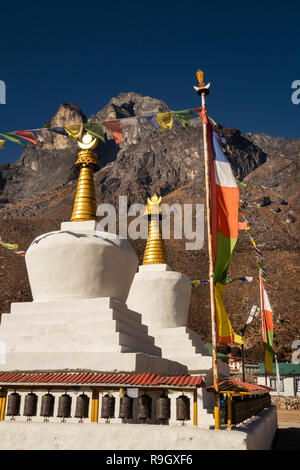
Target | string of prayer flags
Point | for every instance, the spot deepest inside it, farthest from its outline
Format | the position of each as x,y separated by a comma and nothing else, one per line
243,279
228,280
20,253
165,120
114,127
95,129
198,283
185,117
258,254
12,247
9,246
27,135
11,136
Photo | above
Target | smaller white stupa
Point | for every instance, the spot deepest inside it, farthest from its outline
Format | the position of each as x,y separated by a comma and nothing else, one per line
162,296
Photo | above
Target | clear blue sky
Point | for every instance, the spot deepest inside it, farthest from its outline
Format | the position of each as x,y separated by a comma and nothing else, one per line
54,52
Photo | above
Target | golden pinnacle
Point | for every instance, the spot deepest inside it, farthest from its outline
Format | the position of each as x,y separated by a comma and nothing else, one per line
85,199
155,250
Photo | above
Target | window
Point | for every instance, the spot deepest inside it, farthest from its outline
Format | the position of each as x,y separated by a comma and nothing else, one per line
274,385
297,384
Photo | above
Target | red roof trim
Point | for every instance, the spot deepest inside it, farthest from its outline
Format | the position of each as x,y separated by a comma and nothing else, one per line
98,378
242,385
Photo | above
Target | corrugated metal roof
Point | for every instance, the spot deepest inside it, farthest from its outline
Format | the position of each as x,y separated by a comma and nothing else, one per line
91,378
285,368
237,386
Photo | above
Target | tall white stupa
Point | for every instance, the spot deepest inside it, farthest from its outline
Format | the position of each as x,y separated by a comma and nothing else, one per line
80,279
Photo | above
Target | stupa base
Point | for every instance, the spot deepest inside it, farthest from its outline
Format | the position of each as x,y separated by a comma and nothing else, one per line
89,334
185,346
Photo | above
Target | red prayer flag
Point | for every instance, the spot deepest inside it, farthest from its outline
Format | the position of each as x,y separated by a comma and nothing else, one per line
202,113
27,135
115,129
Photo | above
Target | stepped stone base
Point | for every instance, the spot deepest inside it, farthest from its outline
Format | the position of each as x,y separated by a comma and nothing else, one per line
95,334
185,346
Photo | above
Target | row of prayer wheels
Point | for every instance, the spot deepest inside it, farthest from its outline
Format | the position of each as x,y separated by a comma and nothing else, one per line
144,406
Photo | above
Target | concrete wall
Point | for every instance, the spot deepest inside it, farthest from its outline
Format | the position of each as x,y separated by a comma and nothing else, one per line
256,434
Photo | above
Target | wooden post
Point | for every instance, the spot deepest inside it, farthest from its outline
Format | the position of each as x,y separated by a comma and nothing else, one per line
195,409
2,405
95,406
203,91
229,411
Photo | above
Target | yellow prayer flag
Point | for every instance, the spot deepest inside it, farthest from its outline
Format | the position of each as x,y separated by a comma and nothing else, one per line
74,131
165,120
268,362
225,333
2,144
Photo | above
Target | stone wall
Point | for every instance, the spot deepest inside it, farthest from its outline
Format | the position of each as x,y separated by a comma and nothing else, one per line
286,403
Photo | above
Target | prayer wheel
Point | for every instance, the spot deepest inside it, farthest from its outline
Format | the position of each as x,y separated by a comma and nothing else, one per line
182,408
13,404
108,407
126,407
47,407
144,407
82,406
163,408
64,406
30,405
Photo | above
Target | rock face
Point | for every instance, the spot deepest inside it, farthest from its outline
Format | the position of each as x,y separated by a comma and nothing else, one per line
37,193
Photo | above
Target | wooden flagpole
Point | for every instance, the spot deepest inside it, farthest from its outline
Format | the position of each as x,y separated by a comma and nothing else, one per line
262,318
203,90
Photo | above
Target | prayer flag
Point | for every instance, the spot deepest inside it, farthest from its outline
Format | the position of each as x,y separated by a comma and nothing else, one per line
115,129
165,120
151,118
225,333
58,130
244,226
185,117
2,144
268,328
74,131
224,224
95,129
27,135
11,136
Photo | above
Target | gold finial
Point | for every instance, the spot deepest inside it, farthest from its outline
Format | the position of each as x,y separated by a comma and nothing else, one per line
200,76
85,199
201,89
155,250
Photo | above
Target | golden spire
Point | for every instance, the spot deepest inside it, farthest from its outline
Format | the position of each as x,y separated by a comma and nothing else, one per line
155,250
85,199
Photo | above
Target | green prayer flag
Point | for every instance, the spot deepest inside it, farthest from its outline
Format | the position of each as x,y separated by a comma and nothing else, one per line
95,129
11,136
241,184
185,116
